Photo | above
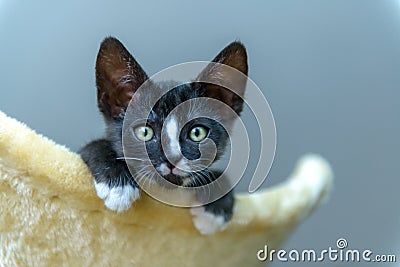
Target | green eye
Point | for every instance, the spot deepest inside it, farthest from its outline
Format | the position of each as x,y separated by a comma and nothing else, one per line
144,133
198,133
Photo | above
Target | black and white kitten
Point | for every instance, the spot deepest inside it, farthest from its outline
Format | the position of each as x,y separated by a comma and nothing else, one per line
118,76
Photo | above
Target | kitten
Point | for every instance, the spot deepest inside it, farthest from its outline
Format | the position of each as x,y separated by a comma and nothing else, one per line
118,76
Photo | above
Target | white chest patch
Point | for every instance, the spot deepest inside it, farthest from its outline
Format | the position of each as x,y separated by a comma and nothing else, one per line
171,127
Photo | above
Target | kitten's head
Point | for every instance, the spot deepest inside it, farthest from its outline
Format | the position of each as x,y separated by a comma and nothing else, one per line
177,158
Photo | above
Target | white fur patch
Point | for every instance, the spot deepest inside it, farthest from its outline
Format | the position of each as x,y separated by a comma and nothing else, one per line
102,190
186,181
163,169
118,198
206,222
181,169
171,128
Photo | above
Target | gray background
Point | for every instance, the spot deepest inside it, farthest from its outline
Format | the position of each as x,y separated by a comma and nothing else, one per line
329,69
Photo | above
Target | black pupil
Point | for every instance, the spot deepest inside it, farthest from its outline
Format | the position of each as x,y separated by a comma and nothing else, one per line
197,132
145,132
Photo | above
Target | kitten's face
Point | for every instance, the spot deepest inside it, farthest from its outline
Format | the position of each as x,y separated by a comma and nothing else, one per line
177,143
178,159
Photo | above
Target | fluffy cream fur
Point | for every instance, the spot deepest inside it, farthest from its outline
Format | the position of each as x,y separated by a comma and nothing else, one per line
50,214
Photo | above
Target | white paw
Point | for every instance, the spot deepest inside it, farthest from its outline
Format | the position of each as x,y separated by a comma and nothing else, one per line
206,222
118,198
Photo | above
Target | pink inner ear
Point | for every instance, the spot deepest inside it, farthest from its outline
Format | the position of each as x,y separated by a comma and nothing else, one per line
231,72
225,84
118,76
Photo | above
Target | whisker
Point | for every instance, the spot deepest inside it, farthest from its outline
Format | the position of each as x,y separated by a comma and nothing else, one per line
141,174
129,158
151,179
200,180
147,179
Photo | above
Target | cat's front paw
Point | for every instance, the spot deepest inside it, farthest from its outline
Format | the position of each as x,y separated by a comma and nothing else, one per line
118,198
207,222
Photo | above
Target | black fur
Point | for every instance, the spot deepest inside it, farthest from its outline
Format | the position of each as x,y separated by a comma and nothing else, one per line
104,156
102,160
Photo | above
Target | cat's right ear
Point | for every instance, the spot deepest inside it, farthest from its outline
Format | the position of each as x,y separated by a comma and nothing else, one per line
118,76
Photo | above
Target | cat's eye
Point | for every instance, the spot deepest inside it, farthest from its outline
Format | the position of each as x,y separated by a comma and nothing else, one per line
198,133
144,133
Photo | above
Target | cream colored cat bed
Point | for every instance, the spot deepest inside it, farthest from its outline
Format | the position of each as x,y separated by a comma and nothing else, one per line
50,214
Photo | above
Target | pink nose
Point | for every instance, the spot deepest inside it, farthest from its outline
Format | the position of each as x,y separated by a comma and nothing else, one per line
168,168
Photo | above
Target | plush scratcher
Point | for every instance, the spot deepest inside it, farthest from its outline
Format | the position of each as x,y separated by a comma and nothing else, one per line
50,214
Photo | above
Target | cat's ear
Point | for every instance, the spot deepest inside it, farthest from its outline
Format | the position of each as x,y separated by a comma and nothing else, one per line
118,76
235,57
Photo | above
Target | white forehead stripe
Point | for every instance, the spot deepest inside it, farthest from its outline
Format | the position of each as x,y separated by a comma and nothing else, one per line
171,128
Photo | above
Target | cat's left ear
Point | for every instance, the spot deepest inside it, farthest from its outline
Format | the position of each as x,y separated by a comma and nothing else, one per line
230,72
